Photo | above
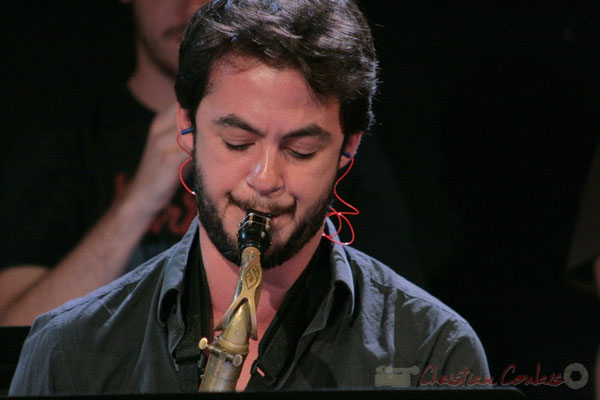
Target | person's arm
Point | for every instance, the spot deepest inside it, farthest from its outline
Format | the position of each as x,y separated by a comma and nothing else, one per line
102,255
464,353
41,370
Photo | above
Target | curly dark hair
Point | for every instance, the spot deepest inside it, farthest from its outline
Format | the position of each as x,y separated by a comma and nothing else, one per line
328,41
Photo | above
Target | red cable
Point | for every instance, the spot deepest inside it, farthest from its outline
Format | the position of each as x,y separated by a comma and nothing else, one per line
341,215
189,153
181,176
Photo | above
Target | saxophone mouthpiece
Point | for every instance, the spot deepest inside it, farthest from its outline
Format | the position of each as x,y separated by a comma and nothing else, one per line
255,231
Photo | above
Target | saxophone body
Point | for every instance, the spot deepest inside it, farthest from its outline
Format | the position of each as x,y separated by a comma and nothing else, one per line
229,349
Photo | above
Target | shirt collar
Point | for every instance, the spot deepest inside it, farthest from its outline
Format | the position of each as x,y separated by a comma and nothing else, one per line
341,280
340,265
174,271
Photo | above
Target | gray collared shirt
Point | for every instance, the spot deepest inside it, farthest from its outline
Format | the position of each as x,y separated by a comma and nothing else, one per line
374,328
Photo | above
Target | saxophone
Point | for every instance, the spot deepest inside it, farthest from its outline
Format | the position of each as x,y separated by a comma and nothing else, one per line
229,349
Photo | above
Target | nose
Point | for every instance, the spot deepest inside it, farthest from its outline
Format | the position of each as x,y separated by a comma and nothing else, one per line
265,176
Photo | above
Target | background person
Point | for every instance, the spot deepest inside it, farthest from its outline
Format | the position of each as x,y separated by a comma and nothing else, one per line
104,199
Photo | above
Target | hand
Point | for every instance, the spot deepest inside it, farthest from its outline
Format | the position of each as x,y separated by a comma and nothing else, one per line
157,176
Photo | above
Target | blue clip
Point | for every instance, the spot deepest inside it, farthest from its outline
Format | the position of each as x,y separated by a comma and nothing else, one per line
346,154
187,130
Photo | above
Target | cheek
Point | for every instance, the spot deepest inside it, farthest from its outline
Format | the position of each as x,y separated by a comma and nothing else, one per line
309,185
221,176
217,171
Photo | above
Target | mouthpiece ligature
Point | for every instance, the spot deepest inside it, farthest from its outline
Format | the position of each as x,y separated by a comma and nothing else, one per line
254,231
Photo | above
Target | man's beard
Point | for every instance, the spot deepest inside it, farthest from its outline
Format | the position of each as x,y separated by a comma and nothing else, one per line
277,254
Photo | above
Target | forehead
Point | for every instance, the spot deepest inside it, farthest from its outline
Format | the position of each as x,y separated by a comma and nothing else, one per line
248,86
248,71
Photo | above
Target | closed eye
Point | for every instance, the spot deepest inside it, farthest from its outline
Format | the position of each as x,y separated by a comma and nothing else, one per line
237,147
300,155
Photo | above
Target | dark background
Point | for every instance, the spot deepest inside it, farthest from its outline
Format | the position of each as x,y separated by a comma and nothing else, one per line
489,113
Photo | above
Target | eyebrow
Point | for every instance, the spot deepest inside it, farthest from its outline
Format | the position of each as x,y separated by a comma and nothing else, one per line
234,121
312,130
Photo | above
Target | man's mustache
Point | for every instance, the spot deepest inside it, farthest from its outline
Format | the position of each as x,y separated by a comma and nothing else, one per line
263,206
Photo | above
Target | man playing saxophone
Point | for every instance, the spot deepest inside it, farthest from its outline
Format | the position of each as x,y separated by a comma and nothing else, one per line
273,98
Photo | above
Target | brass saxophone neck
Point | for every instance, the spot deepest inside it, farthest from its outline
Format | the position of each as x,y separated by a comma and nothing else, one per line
229,349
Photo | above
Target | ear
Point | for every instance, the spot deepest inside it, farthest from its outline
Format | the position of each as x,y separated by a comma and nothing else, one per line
184,122
350,147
